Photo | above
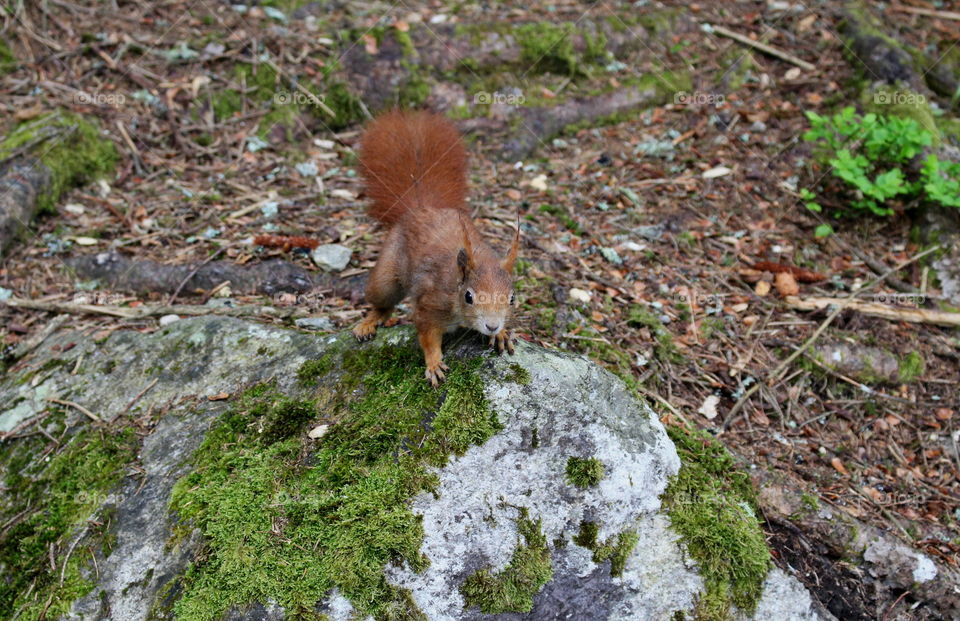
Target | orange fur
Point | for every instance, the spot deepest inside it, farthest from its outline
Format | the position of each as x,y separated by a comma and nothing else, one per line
415,167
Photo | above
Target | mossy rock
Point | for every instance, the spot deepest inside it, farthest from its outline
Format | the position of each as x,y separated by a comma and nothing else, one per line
335,481
70,146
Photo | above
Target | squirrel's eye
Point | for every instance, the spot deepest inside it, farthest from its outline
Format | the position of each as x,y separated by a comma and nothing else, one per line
468,297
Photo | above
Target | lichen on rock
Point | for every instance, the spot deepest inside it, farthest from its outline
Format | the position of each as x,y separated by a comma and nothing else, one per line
413,503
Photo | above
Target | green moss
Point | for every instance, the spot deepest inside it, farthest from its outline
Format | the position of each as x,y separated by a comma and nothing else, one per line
226,103
288,518
736,66
280,115
713,507
544,46
512,589
414,90
69,145
517,374
8,62
811,503
911,367
47,366
617,551
561,213
345,105
406,42
665,350
584,472
711,325
56,498
312,370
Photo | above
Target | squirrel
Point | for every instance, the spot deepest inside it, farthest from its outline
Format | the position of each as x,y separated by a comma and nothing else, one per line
415,167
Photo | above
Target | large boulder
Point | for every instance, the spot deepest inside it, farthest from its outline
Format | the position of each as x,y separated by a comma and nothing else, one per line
240,471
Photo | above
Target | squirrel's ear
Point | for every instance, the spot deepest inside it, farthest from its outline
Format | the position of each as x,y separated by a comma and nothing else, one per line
465,263
465,256
511,257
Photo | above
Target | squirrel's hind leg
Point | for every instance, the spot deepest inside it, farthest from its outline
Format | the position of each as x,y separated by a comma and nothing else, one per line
384,290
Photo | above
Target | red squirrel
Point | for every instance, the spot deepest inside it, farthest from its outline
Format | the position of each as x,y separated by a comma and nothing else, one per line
415,167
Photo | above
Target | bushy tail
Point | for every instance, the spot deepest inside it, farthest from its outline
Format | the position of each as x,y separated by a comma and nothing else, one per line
410,160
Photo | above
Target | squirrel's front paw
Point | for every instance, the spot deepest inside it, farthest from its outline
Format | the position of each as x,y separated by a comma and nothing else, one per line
435,374
502,340
365,330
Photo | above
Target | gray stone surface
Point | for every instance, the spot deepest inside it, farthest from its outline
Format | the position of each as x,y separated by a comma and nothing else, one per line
576,409
331,257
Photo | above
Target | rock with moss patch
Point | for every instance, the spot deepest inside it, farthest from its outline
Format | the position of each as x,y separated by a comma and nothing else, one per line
415,503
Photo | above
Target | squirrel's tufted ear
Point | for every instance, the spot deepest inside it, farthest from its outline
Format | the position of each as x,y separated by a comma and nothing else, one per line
465,257
511,257
465,263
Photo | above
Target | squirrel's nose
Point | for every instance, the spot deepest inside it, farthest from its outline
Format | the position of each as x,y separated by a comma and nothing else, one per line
491,328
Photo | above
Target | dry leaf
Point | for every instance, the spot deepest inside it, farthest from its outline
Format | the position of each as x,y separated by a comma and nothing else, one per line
220,396
804,24
800,274
872,492
25,114
839,467
786,284
762,288
944,413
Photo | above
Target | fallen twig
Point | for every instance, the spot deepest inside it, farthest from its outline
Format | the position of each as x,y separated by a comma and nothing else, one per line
138,397
138,312
763,47
873,309
927,12
876,266
193,272
76,406
778,372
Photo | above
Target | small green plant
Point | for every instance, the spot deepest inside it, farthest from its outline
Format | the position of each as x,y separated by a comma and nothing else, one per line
584,472
873,155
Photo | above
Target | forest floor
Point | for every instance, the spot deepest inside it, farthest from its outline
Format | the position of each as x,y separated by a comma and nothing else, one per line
623,213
